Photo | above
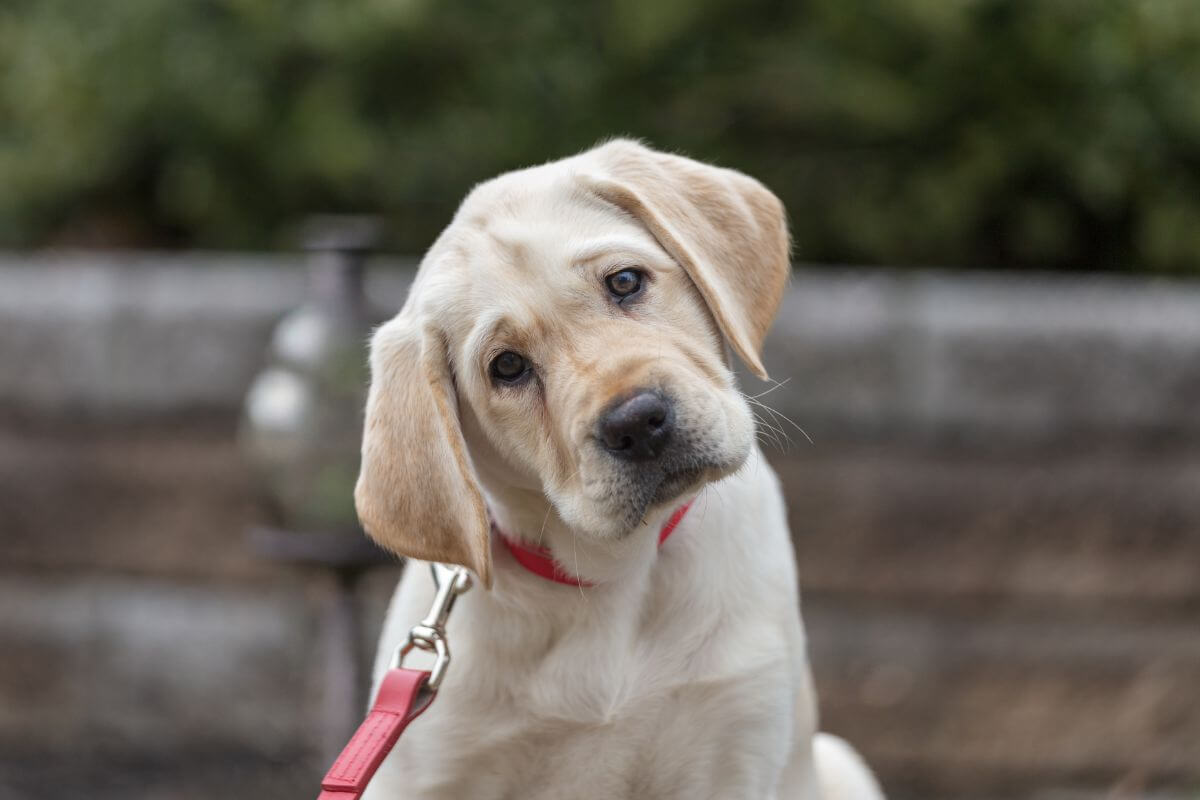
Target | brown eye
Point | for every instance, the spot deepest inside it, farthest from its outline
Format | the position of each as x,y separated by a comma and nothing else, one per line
625,283
509,366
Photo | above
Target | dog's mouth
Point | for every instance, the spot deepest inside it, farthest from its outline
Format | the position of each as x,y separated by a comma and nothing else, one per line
675,484
664,487
625,493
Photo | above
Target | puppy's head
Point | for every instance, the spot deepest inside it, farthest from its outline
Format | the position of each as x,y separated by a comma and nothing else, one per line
565,335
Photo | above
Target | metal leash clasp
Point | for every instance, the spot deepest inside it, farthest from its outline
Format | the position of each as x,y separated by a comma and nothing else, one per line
430,633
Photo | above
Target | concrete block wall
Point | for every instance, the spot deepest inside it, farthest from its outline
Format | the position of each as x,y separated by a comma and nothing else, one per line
984,356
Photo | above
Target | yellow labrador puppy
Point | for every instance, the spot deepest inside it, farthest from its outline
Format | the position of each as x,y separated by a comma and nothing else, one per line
556,391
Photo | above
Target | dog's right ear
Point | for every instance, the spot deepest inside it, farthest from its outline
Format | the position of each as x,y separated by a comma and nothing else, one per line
727,231
417,494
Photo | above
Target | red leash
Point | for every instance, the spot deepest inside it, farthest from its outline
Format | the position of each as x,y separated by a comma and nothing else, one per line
402,698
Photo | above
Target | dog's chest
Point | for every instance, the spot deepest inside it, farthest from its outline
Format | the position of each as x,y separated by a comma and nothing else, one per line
604,719
704,740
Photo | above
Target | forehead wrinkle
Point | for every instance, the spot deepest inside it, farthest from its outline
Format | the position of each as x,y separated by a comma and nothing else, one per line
547,226
501,326
486,329
606,247
509,242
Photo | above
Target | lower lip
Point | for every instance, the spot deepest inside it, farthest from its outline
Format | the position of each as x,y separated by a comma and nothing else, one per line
679,480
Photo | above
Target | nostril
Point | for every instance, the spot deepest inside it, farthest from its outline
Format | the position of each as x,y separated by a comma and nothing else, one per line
637,428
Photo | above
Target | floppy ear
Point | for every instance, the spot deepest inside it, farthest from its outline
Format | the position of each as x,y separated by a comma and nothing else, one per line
725,228
416,493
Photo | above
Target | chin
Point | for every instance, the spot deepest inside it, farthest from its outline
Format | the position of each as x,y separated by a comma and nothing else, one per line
675,488
672,489
625,496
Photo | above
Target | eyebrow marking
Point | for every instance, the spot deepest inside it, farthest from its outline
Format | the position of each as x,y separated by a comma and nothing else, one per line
485,332
602,248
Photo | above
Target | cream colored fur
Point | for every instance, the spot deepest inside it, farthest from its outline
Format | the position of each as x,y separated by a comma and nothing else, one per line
679,673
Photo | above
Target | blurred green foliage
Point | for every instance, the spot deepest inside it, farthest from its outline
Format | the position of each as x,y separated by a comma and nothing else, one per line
1047,133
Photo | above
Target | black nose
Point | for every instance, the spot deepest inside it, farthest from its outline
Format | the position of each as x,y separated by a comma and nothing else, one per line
639,428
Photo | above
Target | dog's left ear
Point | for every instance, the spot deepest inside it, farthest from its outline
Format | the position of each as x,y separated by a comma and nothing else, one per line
725,228
417,494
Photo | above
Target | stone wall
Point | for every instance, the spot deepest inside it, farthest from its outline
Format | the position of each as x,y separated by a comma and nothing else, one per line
997,523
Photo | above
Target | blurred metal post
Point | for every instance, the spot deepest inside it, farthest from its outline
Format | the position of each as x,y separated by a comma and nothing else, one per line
301,430
343,698
340,562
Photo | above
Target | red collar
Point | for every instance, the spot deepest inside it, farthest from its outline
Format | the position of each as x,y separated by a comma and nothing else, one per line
539,561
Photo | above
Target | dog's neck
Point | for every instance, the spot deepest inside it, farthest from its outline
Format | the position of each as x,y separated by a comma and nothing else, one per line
520,508
527,516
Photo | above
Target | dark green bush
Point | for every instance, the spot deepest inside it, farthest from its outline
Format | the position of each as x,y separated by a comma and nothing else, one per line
1049,133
